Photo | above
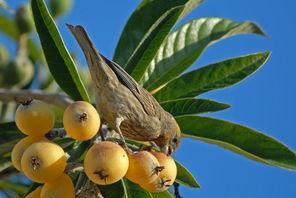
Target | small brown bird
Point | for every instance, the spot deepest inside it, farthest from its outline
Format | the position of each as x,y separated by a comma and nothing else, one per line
126,106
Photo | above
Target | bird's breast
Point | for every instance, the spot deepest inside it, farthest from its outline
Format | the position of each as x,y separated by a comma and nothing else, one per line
120,102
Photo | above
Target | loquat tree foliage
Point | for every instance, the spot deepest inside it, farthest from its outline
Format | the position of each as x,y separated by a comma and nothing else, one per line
59,144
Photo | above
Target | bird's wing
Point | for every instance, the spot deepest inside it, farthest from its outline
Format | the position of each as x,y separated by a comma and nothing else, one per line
121,74
148,102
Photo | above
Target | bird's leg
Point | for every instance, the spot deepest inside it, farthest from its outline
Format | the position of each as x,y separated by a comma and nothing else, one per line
153,144
104,131
118,122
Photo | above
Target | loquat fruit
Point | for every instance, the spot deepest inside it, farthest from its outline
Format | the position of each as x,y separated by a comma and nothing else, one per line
43,161
81,121
106,163
34,118
169,172
166,177
19,149
62,187
24,19
143,167
59,8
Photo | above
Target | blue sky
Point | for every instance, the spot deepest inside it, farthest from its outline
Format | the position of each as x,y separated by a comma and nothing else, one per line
265,101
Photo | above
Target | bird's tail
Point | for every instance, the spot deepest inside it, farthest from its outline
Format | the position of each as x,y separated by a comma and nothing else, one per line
97,66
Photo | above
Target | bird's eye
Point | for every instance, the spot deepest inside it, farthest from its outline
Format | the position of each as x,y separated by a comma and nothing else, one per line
175,140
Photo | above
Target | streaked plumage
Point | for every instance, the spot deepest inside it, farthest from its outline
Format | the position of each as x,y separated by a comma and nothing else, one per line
126,106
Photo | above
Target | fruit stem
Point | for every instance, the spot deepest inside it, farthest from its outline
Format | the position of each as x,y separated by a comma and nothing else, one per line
176,190
27,102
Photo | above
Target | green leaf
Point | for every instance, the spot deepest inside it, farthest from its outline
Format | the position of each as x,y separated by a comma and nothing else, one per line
9,132
65,143
185,106
9,137
59,61
5,163
135,30
140,41
184,46
133,190
127,189
165,194
189,6
115,190
78,150
13,186
141,58
184,177
7,147
214,76
239,139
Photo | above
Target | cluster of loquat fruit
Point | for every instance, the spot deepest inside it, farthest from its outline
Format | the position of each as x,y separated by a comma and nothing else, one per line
105,162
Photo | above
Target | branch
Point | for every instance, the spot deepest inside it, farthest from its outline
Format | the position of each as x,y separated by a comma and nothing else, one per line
73,167
176,190
7,95
89,189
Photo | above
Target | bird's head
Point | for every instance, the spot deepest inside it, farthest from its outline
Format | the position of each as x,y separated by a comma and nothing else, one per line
170,138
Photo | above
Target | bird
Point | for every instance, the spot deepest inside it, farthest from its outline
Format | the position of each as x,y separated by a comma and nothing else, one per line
127,107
